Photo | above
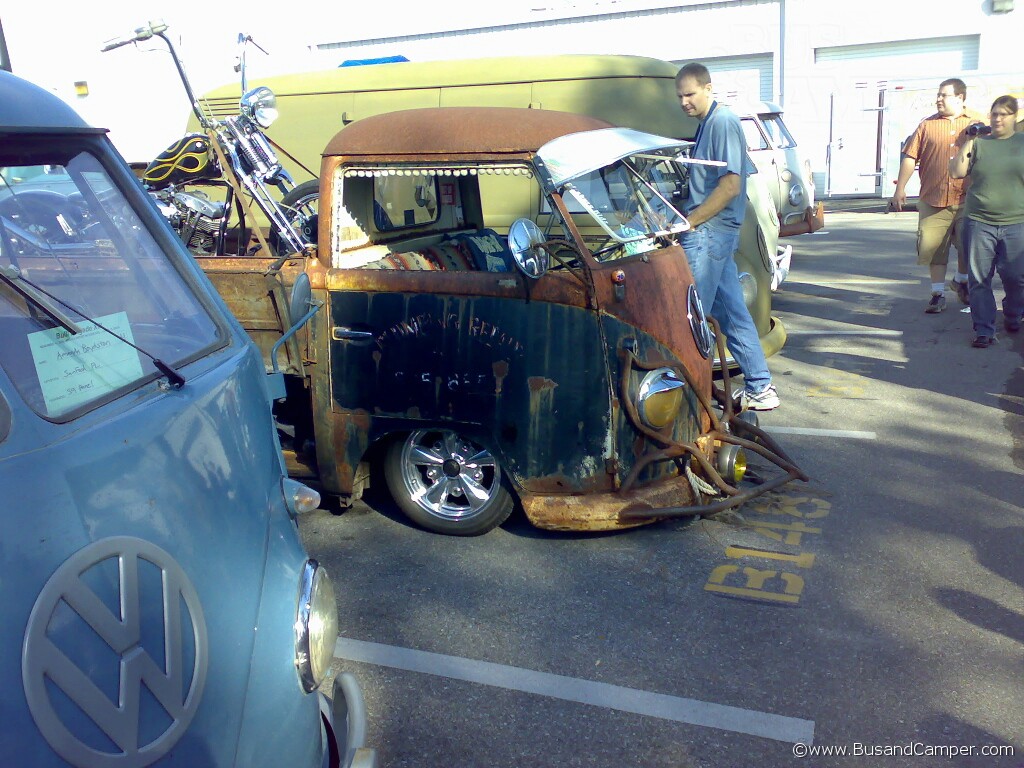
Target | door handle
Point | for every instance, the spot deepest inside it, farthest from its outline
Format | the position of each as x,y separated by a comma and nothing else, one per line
341,333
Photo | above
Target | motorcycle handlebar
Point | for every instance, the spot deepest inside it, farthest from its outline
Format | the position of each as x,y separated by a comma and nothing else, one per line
142,33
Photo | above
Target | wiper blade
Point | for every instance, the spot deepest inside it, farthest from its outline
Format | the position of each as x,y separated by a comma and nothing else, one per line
48,304
12,276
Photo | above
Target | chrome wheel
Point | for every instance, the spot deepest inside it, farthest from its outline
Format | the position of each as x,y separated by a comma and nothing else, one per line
447,483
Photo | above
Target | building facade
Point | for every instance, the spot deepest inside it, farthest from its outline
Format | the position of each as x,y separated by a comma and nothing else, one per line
840,70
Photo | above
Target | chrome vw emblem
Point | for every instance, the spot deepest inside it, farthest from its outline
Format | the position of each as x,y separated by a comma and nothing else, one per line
84,653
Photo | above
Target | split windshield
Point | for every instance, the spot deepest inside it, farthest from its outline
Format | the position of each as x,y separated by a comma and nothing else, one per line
633,199
83,284
781,136
631,185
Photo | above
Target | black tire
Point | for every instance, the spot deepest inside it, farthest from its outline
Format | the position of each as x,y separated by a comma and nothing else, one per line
446,483
302,208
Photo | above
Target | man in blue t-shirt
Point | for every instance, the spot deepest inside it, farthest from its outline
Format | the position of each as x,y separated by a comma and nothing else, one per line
715,208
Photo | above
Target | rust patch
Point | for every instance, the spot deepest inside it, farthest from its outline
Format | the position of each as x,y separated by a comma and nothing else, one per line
561,484
601,511
540,384
450,131
500,369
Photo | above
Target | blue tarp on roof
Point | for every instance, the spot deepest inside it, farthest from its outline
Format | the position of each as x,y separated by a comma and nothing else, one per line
381,60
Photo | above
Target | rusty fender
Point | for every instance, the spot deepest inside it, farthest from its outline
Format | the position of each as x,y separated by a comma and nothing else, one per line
604,511
701,451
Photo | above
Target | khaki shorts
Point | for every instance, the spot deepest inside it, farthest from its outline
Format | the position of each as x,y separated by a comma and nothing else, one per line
936,229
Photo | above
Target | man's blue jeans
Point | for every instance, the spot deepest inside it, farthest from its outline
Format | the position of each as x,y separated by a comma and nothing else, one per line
990,248
710,253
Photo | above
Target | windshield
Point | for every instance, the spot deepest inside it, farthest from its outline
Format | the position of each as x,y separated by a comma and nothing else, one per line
87,296
781,136
633,201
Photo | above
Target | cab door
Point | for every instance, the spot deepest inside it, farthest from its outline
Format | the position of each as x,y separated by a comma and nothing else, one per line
516,365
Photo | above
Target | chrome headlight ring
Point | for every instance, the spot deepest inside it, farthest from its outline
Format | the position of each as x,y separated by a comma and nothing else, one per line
698,322
796,195
659,398
316,626
260,105
748,284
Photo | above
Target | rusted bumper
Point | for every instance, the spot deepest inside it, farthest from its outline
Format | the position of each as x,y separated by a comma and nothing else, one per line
812,220
607,511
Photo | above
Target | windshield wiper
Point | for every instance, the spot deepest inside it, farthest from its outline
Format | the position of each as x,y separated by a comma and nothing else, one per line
48,304
38,299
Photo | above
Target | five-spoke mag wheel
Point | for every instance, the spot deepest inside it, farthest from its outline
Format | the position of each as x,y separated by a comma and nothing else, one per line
447,483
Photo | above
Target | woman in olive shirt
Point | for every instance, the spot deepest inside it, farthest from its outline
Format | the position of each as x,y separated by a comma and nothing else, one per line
994,219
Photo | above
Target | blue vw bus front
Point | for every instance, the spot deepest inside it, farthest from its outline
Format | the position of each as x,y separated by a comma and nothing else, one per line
158,606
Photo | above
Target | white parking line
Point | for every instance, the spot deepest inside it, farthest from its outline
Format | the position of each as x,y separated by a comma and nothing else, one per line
853,281
852,434
863,332
690,711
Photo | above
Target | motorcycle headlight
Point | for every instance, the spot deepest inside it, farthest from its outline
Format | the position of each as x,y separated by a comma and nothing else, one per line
749,286
660,397
260,105
316,626
796,195
698,322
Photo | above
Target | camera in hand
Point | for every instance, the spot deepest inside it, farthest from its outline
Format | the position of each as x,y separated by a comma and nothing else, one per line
979,129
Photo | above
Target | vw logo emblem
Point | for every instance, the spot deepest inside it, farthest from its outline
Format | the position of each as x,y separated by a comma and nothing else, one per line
702,334
95,645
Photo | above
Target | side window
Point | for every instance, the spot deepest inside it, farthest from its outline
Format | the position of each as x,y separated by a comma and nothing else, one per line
400,202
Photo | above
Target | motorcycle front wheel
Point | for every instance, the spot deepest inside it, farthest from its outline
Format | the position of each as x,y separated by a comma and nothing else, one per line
302,208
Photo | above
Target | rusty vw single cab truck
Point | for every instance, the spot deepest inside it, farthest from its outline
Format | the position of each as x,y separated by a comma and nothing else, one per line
631,91
567,365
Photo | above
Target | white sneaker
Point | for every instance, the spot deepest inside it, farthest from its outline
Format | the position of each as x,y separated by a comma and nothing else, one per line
765,400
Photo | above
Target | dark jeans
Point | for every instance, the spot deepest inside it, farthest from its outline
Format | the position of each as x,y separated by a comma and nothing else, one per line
992,248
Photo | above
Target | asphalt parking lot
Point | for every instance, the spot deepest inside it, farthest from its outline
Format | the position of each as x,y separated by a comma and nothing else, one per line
877,609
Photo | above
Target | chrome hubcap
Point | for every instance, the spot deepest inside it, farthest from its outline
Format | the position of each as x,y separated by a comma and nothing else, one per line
447,476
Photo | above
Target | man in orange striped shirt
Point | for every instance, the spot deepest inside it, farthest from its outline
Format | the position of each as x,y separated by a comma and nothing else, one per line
940,205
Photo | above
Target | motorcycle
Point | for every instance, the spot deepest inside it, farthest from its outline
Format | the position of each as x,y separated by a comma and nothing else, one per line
233,156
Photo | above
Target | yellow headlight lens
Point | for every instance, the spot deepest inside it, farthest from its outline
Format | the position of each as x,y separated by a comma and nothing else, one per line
660,398
732,463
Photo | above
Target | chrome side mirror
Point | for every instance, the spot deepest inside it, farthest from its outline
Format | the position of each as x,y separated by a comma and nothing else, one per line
526,242
298,302
301,308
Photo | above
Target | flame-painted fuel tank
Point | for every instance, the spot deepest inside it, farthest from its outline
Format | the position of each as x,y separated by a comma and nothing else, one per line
188,159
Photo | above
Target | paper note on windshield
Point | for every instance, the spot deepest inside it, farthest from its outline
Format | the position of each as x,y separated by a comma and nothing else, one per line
74,368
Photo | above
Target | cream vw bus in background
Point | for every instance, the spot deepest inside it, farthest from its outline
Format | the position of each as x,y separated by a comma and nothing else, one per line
786,173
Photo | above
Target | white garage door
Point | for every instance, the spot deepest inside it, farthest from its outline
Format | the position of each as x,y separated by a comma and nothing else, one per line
747,78
857,73
901,59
